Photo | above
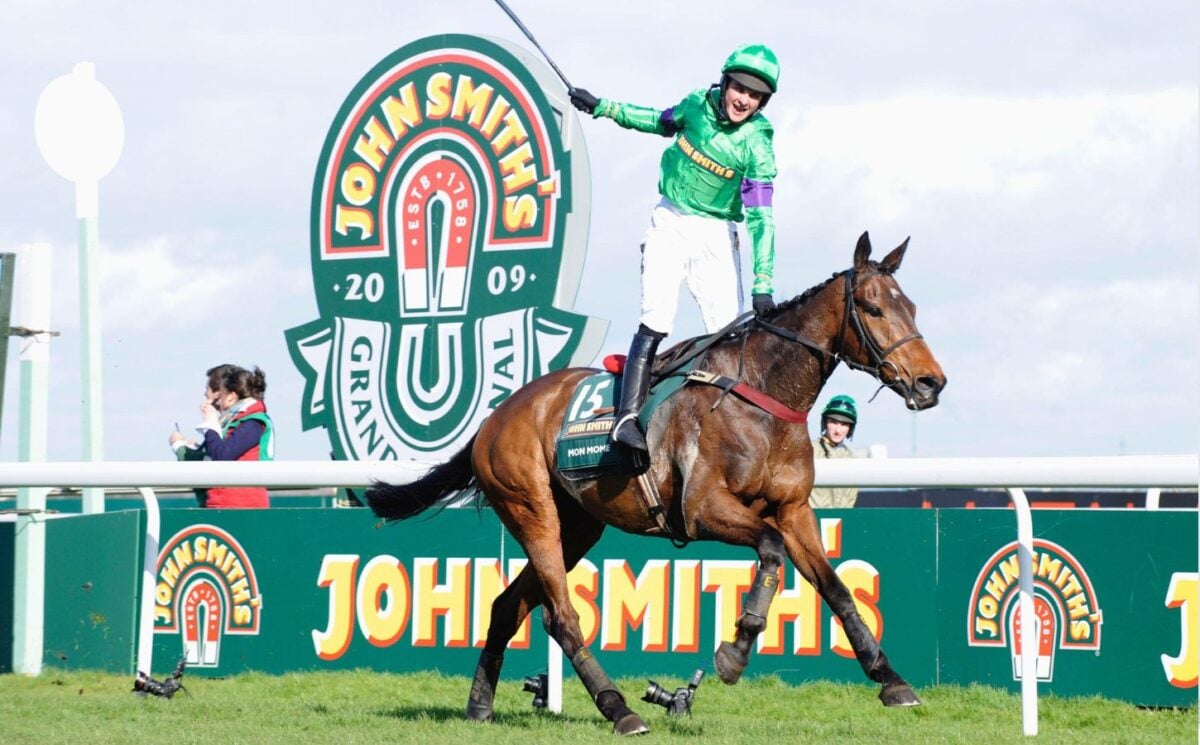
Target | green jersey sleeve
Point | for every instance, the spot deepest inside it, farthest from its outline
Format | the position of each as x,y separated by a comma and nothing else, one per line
758,187
631,116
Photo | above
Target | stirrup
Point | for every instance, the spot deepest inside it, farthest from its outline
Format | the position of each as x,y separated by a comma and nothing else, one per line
627,432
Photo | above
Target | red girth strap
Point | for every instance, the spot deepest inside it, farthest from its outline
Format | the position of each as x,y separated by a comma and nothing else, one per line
749,394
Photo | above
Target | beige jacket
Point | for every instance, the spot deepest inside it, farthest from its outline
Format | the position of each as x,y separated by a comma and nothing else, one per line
842,496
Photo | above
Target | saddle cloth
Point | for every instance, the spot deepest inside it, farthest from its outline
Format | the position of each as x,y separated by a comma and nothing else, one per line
584,450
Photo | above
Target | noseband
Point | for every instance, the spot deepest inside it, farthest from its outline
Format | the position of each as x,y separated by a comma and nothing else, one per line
877,354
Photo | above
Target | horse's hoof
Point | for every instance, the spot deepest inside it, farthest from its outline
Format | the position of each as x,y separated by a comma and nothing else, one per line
898,694
730,662
630,724
479,714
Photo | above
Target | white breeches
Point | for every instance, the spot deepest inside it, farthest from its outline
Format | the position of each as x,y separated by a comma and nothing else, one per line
701,250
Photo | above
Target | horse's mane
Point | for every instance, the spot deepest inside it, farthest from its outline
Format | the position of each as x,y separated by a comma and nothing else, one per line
803,297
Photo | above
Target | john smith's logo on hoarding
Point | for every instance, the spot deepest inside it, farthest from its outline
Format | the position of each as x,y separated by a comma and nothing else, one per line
205,588
1066,612
449,221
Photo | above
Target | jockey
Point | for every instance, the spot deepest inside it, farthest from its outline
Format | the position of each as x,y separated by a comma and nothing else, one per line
718,171
838,420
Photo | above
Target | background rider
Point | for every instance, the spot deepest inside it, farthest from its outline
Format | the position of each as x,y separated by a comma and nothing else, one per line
838,420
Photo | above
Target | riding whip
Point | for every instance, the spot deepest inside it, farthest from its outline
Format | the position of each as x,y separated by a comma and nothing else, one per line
529,36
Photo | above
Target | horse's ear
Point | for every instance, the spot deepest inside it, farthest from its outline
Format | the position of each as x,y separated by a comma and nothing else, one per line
891,262
862,252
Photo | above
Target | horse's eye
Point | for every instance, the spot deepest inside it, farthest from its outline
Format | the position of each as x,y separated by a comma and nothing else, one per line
874,310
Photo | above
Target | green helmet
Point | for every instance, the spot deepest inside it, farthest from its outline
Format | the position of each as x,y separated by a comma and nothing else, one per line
841,409
754,66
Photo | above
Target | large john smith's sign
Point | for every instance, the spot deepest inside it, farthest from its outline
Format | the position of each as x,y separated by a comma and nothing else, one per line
449,224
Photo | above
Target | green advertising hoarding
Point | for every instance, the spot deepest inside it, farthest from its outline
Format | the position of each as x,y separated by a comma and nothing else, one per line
315,589
330,590
93,572
7,595
1115,595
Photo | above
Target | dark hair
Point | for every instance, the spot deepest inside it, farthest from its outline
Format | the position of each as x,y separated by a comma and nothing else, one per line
239,380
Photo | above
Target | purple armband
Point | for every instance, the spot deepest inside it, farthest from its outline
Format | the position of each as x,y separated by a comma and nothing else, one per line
757,193
667,120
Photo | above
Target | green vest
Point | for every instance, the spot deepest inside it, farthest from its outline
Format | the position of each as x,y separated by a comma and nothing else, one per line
703,169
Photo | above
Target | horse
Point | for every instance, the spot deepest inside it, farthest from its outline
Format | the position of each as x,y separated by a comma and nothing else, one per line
724,469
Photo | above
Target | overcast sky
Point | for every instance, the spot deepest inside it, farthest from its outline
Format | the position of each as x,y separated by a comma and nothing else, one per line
1041,154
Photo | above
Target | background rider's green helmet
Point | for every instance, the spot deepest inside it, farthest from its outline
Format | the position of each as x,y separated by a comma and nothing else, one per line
841,409
754,66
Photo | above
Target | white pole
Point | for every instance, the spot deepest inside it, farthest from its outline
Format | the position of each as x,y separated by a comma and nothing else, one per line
1152,496
145,645
554,676
87,212
80,132
1029,702
29,560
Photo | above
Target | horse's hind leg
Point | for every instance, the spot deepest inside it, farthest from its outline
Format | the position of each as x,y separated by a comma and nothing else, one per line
555,539
509,611
803,541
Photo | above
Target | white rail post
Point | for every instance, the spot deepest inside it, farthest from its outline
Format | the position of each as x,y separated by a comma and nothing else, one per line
29,551
1029,702
1152,497
554,676
145,644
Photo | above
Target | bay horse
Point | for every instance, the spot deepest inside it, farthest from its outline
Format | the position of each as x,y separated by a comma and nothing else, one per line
724,469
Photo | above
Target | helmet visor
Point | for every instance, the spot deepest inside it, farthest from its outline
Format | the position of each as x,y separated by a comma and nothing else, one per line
837,416
751,81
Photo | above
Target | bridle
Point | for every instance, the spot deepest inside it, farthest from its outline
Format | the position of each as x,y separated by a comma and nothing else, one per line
878,355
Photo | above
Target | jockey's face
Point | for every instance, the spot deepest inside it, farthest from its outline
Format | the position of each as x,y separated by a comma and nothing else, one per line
740,102
836,431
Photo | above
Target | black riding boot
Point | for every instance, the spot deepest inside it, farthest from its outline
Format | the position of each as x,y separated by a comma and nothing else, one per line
634,385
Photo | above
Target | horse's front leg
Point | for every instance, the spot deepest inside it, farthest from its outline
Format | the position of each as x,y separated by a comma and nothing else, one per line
803,541
725,518
732,657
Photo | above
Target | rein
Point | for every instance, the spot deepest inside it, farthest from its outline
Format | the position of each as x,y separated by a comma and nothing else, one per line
851,318
674,365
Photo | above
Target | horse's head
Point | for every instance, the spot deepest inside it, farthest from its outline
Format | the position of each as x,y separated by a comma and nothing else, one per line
879,329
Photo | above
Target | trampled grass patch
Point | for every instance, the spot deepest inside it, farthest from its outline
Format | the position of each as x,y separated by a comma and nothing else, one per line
370,707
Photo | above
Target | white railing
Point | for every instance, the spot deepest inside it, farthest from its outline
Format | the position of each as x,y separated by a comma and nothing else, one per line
1159,471
1013,474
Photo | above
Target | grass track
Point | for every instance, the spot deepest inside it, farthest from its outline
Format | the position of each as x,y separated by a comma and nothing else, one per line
368,707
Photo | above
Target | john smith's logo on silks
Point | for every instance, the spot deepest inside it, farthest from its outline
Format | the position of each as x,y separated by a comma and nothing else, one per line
205,587
1067,614
449,222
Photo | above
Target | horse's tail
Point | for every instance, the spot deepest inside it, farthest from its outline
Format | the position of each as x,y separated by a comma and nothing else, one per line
402,501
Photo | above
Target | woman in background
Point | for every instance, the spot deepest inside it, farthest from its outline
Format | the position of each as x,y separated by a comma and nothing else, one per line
234,426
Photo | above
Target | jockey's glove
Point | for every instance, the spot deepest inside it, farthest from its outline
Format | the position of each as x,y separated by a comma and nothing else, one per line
583,100
763,303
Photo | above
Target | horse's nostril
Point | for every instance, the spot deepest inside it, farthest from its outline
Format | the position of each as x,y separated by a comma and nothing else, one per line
928,385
